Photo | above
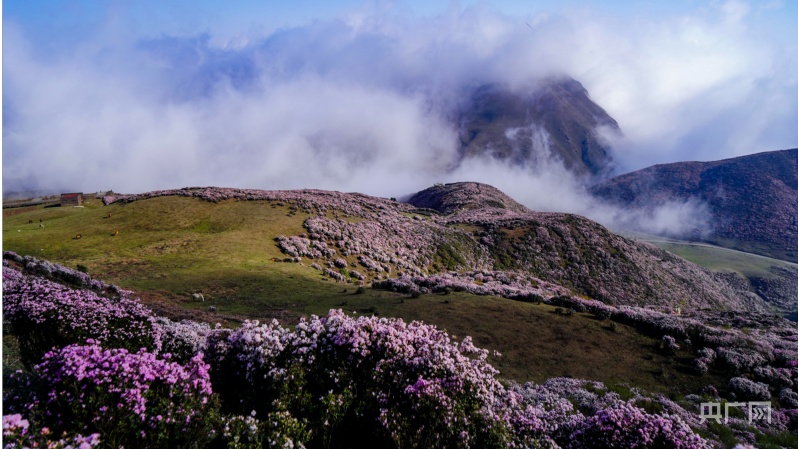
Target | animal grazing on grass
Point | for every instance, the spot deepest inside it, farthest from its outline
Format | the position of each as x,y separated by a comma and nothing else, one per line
41,226
198,297
211,309
116,233
30,221
78,237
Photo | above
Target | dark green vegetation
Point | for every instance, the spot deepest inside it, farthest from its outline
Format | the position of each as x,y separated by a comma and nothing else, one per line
170,247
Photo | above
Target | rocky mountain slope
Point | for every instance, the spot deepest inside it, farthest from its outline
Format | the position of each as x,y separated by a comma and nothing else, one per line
752,200
472,237
554,119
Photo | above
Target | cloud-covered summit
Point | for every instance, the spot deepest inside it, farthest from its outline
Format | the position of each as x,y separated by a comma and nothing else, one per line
360,100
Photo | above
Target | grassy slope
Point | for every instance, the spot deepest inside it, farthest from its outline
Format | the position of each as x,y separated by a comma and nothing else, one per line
169,247
717,258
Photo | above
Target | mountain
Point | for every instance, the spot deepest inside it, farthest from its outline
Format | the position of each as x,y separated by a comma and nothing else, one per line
572,251
553,119
752,201
467,236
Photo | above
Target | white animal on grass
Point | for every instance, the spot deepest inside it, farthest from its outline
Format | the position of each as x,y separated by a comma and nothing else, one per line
197,297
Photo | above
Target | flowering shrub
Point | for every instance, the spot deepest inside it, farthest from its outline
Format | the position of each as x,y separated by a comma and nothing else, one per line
669,344
497,283
368,381
44,314
182,340
740,359
746,389
131,399
788,398
17,433
623,425
61,273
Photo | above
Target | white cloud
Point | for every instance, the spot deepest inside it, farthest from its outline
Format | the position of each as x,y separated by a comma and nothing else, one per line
361,103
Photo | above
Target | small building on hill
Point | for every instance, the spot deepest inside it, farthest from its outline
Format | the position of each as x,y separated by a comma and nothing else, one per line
71,199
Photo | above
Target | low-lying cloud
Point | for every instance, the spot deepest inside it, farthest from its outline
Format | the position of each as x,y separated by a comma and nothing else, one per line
364,102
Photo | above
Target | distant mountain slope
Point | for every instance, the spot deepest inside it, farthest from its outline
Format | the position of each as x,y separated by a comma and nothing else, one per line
555,118
578,253
752,200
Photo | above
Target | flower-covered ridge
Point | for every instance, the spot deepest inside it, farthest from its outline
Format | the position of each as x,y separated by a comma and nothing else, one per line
483,230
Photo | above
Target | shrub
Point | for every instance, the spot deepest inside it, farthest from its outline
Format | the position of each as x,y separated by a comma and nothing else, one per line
182,340
623,425
371,382
788,398
669,344
18,432
44,314
131,399
749,390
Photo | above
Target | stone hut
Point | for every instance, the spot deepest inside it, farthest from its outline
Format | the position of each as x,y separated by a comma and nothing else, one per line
71,199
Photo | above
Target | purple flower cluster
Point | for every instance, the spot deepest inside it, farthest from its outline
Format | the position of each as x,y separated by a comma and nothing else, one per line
746,389
410,383
182,340
131,399
44,314
408,380
740,359
669,343
705,359
17,433
335,275
622,425
61,273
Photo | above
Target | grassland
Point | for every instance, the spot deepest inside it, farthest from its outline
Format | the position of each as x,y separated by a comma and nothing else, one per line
170,247
716,258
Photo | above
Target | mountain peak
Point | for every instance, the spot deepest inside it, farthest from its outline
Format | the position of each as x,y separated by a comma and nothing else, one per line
448,198
551,119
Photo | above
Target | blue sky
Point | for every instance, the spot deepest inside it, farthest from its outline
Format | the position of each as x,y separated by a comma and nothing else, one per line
142,95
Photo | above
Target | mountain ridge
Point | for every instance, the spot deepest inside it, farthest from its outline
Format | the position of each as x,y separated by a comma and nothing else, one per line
539,253
752,200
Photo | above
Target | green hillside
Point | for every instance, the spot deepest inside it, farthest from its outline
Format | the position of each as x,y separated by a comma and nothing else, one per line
170,247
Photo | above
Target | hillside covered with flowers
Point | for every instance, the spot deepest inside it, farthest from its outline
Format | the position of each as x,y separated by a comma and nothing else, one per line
105,366
481,241
104,371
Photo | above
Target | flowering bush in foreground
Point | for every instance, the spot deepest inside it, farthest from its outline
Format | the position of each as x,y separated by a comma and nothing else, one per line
182,340
17,433
336,382
623,425
366,382
376,382
44,314
130,399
